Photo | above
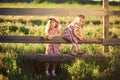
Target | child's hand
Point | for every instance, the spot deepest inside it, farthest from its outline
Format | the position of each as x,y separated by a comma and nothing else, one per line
50,36
82,38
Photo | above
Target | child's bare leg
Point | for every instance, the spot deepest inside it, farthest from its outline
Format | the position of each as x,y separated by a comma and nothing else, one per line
72,50
79,51
47,69
54,68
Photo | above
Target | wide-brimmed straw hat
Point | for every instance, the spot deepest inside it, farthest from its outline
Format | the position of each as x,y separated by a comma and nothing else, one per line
53,18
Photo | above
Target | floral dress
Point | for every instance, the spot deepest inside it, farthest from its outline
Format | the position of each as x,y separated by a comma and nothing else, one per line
53,49
69,34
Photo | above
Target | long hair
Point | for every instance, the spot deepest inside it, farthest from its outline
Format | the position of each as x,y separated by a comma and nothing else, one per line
47,27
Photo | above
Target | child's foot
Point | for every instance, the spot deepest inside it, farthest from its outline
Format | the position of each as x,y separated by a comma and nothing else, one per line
47,73
72,53
80,52
53,73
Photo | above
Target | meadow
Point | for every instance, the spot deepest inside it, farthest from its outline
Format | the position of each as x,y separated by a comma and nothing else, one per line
35,25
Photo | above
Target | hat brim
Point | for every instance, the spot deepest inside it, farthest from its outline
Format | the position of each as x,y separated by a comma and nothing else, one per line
54,19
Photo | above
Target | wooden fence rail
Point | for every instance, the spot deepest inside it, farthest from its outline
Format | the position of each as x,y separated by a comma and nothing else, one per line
55,12
39,39
111,41
60,58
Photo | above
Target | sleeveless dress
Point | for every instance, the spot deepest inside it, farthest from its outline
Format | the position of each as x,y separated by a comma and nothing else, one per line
53,49
69,34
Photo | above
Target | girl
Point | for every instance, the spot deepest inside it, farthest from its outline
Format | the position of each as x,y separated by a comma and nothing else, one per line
73,33
53,29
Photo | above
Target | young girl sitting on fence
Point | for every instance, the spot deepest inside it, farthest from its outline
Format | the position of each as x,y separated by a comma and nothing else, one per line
53,29
73,33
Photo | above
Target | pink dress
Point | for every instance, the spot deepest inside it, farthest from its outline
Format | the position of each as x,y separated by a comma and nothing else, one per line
53,49
69,35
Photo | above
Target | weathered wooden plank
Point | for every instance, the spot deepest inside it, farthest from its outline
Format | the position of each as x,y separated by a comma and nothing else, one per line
20,39
51,11
59,58
111,41
38,39
105,24
112,13
54,11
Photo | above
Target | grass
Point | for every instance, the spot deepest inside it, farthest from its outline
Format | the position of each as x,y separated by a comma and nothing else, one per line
54,5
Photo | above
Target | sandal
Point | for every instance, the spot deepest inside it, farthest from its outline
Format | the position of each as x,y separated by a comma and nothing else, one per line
72,53
47,73
80,53
53,73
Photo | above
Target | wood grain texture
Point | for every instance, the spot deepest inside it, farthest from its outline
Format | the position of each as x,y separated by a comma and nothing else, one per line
59,58
51,11
105,24
55,12
111,41
39,39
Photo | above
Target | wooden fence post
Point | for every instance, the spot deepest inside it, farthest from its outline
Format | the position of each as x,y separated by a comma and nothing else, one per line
105,24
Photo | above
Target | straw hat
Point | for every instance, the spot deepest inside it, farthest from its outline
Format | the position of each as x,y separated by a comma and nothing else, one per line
53,18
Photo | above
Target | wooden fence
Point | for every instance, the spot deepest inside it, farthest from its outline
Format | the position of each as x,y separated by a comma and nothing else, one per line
105,13
39,40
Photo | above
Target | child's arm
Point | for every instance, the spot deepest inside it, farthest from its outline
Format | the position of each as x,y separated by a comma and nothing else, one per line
59,31
47,36
50,36
57,35
77,33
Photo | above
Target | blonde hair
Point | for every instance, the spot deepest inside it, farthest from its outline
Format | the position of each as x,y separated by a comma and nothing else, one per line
77,18
47,27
